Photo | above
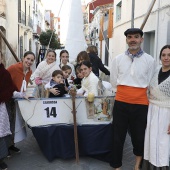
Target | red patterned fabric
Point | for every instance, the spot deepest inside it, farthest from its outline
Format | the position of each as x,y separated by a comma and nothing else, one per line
17,75
6,85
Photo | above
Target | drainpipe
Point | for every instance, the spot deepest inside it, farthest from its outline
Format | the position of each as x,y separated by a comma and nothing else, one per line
133,14
156,36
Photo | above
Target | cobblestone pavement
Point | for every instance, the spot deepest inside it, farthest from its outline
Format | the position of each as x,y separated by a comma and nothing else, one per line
31,158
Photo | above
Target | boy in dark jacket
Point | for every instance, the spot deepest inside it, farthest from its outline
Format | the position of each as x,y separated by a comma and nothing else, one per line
57,82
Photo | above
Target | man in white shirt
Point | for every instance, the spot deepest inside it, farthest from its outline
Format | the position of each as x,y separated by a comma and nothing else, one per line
130,75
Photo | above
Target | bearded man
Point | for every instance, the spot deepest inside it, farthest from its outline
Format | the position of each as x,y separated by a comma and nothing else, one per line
130,76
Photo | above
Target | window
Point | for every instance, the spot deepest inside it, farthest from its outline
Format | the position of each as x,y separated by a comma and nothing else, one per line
168,33
19,11
106,59
30,44
34,5
149,41
21,46
118,11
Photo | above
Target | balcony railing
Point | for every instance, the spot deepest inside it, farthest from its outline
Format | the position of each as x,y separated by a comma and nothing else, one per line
30,22
21,17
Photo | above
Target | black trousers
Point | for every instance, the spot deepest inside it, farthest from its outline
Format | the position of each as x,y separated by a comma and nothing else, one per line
134,117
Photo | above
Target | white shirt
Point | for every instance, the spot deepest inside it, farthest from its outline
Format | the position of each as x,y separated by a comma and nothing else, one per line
136,73
89,85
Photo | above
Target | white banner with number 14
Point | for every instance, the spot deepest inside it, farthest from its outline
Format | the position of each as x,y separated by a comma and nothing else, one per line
50,111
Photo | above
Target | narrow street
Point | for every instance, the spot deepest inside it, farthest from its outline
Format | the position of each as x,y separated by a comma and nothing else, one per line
31,158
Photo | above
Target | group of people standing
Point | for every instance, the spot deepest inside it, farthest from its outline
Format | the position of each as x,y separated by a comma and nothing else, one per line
142,97
14,81
58,78
142,105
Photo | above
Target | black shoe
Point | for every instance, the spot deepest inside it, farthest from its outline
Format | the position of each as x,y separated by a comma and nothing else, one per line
9,154
3,166
15,149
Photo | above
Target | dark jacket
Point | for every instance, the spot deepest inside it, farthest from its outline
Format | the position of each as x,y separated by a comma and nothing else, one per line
97,65
59,87
77,82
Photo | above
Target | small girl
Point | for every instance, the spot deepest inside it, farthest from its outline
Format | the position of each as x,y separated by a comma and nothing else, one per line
64,60
66,69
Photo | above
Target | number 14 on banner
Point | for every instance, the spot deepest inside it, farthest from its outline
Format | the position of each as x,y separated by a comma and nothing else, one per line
50,111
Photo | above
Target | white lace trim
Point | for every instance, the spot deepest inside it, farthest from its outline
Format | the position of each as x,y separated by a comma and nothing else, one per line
160,94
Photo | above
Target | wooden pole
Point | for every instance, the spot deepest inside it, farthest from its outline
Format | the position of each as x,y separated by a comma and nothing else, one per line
6,42
73,95
147,15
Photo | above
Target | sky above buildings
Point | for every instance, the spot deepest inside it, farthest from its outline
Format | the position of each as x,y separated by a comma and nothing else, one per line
60,8
55,5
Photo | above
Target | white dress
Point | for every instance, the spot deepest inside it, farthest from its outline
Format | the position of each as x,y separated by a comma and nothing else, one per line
4,121
157,141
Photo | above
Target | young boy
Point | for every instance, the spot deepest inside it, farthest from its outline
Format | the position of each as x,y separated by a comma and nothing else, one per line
57,82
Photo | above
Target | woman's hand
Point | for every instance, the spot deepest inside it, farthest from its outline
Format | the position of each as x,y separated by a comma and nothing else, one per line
26,97
169,129
38,81
55,91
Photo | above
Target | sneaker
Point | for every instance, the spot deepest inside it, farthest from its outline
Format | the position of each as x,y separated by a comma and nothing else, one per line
15,149
3,166
9,154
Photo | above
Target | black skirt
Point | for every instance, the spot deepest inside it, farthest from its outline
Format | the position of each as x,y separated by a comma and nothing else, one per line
148,166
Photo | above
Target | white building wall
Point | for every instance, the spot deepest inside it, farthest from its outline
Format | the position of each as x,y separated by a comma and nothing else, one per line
41,16
156,23
95,24
25,30
11,26
38,19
